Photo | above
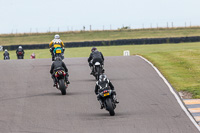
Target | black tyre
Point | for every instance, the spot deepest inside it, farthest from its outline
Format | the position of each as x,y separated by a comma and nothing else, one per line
98,73
62,86
20,57
109,107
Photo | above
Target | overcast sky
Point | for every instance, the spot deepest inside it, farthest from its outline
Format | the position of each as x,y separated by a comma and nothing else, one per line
63,15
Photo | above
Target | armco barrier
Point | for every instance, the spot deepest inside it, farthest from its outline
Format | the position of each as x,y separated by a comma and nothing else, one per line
113,42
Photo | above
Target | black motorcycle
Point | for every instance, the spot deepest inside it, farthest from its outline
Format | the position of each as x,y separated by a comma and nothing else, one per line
106,96
6,57
20,55
61,83
98,70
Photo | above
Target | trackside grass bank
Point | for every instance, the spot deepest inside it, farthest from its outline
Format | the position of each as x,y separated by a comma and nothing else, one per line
179,63
80,36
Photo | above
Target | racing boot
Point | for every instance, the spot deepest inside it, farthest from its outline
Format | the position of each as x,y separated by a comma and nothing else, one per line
102,65
66,77
115,99
53,58
54,82
67,82
101,104
54,85
92,71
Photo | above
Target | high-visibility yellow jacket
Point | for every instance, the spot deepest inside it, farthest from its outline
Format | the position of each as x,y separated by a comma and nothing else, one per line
57,42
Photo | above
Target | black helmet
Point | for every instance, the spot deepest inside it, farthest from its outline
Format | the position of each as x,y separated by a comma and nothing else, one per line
93,49
102,77
57,59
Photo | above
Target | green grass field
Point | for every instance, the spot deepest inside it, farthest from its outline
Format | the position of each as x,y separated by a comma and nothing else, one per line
45,38
179,63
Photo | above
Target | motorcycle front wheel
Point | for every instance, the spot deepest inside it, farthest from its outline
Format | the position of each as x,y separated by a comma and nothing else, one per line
109,107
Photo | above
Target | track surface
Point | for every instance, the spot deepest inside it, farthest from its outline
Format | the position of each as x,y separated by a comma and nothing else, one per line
29,103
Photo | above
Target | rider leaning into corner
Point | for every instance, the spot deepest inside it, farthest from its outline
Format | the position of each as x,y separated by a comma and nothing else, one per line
95,56
56,41
104,80
58,64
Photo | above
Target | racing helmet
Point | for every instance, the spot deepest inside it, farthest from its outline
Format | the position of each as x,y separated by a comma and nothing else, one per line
93,49
56,36
20,46
102,77
6,50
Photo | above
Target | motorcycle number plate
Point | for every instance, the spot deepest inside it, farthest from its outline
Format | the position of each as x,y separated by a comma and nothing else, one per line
106,94
58,51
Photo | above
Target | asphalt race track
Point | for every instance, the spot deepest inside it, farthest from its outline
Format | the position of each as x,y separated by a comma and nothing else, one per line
30,104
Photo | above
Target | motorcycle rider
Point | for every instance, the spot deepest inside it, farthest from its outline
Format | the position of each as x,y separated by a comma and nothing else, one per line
56,41
32,56
20,49
102,80
95,56
58,64
6,54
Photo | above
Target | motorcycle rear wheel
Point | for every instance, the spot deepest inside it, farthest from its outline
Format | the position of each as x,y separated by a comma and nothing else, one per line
98,73
62,86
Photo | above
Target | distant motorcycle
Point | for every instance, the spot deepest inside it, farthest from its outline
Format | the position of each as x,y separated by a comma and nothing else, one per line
57,51
107,99
61,83
6,57
32,56
20,55
98,70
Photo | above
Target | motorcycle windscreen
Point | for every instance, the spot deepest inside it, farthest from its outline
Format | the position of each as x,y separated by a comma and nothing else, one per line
103,84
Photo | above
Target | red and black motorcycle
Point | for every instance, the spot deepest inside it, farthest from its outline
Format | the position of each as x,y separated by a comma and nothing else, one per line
61,83
20,55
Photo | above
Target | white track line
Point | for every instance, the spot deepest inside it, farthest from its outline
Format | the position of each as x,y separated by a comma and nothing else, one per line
173,92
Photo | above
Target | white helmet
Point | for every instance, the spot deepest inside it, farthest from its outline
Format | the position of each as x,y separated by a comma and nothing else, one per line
6,50
102,77
56,36
20,46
